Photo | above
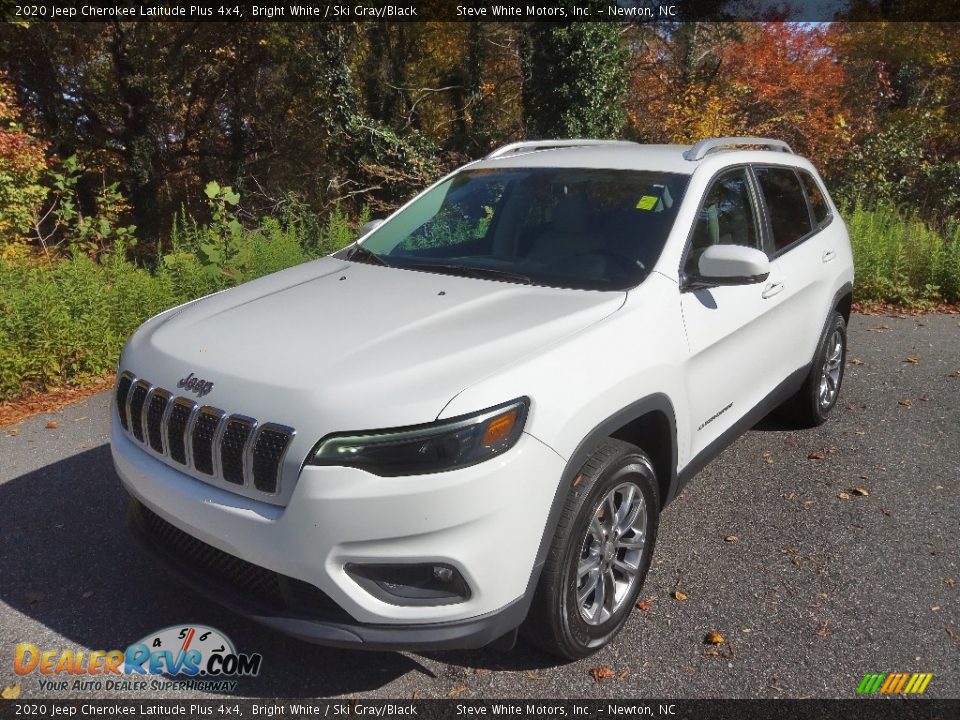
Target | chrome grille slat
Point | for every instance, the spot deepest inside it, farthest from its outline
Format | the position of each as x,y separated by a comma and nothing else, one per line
269,448
203,437
237,433
181,413
123,391
156,412
228,450
138,396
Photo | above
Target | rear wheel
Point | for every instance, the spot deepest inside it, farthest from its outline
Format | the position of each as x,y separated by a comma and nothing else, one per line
813,402
600,554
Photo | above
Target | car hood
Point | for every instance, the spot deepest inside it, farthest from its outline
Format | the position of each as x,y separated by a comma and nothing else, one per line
337,346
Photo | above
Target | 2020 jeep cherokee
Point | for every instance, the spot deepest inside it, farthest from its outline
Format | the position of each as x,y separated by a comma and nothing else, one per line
472,418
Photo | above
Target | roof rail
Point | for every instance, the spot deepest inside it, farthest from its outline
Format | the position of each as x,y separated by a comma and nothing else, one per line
705,147
531,145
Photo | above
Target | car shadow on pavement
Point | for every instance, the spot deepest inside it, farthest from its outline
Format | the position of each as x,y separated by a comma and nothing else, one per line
68,563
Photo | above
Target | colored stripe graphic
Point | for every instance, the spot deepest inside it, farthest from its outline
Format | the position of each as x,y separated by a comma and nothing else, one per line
894,683
870,683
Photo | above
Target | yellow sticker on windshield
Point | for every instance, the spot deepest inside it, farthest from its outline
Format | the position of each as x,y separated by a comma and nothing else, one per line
647,202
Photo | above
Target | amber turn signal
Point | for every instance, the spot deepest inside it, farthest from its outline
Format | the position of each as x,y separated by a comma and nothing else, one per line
499,428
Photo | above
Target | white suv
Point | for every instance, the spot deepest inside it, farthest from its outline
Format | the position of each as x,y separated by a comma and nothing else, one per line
470,420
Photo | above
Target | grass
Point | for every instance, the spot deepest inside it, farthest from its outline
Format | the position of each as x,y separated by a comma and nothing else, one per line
901,260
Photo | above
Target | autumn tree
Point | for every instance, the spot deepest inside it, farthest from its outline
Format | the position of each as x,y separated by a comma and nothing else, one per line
575,79
22,166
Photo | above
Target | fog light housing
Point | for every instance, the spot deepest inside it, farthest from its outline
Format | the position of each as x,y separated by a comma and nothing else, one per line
411,583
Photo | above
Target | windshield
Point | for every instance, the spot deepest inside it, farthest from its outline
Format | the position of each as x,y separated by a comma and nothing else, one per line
564,227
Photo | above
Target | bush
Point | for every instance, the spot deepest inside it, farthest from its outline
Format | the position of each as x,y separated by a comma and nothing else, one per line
900,259
65,323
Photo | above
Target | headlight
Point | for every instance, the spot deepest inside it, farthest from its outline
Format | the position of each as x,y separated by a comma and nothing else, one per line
439,446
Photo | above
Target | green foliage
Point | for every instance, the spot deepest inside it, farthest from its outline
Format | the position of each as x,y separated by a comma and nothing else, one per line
575,80
900,259
65,323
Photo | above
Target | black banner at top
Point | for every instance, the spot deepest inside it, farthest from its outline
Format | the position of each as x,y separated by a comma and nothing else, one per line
622,11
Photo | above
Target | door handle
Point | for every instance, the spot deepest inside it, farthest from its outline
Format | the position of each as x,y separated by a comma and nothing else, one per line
772,289
828,256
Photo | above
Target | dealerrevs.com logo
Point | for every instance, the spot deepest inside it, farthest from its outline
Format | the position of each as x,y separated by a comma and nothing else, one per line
194,656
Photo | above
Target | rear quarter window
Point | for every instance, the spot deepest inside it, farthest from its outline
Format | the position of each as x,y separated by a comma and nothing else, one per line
786,205
817,202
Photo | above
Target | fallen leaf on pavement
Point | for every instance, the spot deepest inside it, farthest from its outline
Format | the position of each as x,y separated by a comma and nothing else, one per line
949,581
52,425
790,443
823,632
646,604
880,328
925,398
481,671
533,676
622,675
714,638
912,360
602,673
843,495
906,402
862,491
679,595
886,511
768,457
816,455
731,538
457,691
855,361
953,635
10,692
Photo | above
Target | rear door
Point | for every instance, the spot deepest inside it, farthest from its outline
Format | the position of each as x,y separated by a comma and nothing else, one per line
733,332
801,246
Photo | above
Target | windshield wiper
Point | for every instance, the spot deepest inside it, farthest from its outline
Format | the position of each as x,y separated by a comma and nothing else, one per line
471,271
361,254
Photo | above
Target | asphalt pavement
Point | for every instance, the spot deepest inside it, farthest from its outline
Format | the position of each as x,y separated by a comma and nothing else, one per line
818,555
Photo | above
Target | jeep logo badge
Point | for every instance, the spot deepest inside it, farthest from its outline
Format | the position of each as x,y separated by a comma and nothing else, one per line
195,385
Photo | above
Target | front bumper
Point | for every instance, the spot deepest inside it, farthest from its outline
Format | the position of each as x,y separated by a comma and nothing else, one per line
486,521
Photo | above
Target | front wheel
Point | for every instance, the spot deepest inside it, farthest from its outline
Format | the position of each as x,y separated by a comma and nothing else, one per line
600,553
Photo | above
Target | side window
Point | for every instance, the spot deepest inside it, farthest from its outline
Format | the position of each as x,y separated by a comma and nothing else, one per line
727,217
817,202
786,205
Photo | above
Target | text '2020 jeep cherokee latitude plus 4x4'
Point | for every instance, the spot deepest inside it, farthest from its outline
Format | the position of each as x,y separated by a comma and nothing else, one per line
471,418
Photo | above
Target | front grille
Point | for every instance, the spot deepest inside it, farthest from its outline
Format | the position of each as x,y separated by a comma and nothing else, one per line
255,584
234,449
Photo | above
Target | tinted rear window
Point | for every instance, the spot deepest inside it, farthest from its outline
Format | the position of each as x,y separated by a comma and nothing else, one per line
786,205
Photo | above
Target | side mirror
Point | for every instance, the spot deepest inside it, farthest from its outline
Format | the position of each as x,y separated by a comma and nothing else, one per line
732,265
370,226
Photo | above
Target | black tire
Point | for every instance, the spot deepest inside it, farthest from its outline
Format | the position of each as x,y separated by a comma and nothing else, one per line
808,408
556,622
